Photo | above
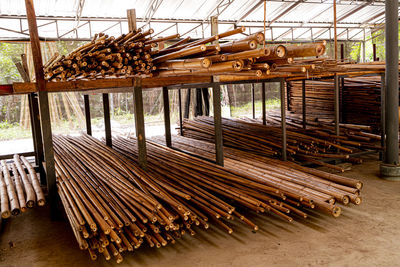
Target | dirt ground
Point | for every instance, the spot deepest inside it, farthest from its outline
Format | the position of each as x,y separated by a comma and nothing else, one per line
365,235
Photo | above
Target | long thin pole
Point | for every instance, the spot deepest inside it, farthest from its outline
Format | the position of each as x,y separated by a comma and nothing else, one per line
334,29
219,150
283,119
107,120
264,110
336,105
87,115
167,122
265,20
253,101
180,111
304,107
392,83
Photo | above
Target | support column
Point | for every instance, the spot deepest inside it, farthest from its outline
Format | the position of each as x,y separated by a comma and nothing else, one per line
131,15
264,109
180,112
87,115
390,168
283,119
187,103
342,52
336,105
383,119
167,121
107,122
43,109
37,135
253,104
374,52
139,121
304,107
219,149
214,27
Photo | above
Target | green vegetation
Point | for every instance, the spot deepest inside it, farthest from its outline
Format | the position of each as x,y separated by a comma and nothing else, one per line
246,110
8,52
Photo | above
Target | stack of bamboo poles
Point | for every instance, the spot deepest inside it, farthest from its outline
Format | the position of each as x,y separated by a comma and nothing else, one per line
127,55
245,57
136,53
312,145
114,206
360,98
19,187
319,98
279,173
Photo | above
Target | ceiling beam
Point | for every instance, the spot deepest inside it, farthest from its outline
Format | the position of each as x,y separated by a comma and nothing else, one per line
284,12
257,5
348,14
151,10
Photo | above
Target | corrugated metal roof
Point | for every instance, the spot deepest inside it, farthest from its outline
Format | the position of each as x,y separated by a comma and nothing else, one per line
302,19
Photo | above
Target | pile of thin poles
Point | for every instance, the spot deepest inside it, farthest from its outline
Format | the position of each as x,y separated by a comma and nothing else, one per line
114,206
315,143
19,187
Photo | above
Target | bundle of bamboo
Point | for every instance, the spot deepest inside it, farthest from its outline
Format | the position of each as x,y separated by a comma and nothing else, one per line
114,206
136,53
127,55
316,142
360,100
242,57
19,190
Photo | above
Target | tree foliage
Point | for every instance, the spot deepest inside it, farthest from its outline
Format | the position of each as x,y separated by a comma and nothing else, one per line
8,71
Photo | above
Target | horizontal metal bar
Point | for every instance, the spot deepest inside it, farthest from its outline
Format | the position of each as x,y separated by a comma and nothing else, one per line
10,156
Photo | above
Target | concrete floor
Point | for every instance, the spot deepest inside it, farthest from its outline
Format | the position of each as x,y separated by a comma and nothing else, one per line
366,235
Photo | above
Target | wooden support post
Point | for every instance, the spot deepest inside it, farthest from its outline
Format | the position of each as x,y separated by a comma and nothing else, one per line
342,106
180,112
374,52
33,117
304,106
336,105
167,121
214,27
288,88
283,119
131,15
139,123
253,101
342,52
219,149
264,110
187,103
87,115
43,109
107,120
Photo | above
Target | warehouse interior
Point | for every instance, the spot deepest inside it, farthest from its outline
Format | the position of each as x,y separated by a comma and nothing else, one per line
215,132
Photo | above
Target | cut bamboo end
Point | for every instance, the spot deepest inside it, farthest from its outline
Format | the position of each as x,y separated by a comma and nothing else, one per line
93,255
357,200
253,44
15,212
41,202
336,211
280,51
359,185
346,200
6,214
